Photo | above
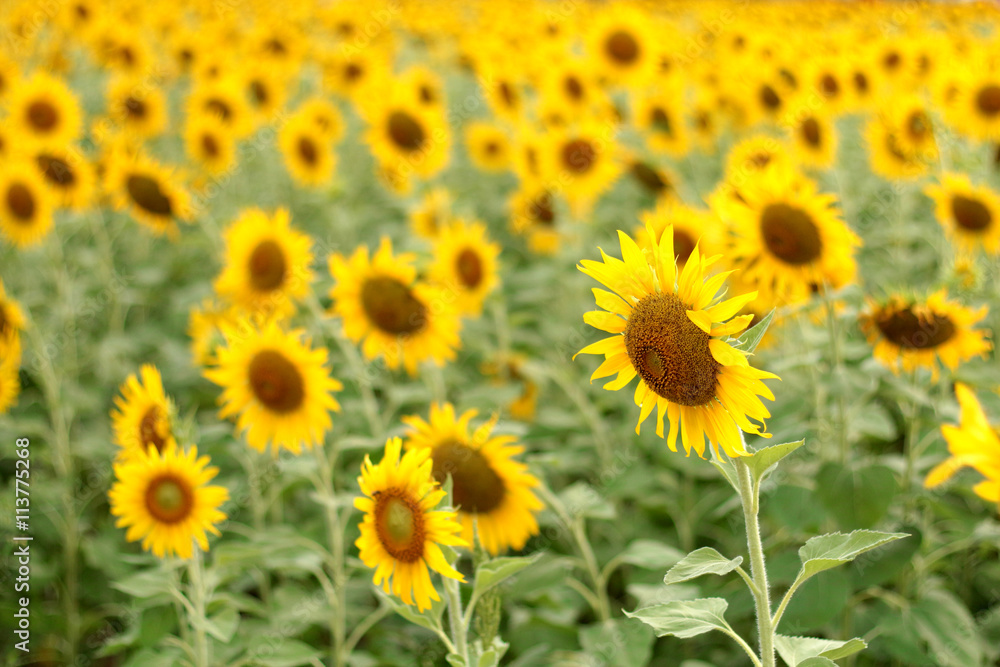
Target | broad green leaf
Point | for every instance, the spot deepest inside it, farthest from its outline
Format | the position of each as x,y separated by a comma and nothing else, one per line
456,660
618,642
750,339
223,624
819,601
827,551
817,662
581,499
282,652
650,554
493,572
699,562
794,650
726,466
950,631
428,618
857,497
684,618
144,584
766,458
491,656
888,562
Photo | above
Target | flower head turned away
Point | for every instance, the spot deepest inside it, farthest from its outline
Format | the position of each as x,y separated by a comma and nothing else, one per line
973,443
163,498
668,329
490,489
401,531
277,384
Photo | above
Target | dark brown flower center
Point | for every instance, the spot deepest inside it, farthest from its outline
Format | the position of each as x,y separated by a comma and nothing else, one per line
860,82
918,124
906,329
508,94
307,151
169,499
970,214
830,85
210,145
790,234
56,171
760,160
219,108
469,267
147,195
42,116
21,202
392,306
476,487
259,92
149,429
353,72
811,131
276,382
769,97
988,100
427,95
267,266
573,87
135,108
405,131
670,352
622,47
579,156
399,523
892,60
541,210
649,177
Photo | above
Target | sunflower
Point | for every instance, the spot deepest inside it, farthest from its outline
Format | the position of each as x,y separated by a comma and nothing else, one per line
25,204
491,490
10,367
664,330
324,115
533,213
276,383
814,137
307,151
11,318
788,236
205,325
753,155
908,333
691,227
569,84
465,264
502,87
44,112
623,46
659,116
403,320
401,531
209,143
267,89
144,415
976,107
148,190
887,153
585,160
137,106
655,180
425,85
974,443
69,175
969,214
488,146
163,498
267,262
224,99
405,136
911,117
431,215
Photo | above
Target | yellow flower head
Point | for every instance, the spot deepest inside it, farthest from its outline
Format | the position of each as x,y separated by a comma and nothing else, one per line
143,416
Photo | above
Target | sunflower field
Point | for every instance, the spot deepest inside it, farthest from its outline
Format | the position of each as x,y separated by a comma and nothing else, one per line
302,305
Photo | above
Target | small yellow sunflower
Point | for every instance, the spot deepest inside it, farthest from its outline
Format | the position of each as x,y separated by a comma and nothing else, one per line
533,214
622,45
491,490
11,317
659,115
324,115
465,264
974,443
976,107
10,367
148,190
277,384
205,325
401,531
753,155
25,203
585,159
267,89
69,175
910,334
664,330
488,146
144,415
137,106
392,314
224,99
164,500
407,137
523,407
814,137
209,143
656,180
432,214
307,151
970,215
691,227
44,111
887,152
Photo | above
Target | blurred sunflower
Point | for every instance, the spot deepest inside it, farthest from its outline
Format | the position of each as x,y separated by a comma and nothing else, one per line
488,146
43,111
970,215
144,415
137,106
148,190
621,44
267,262
973,443
277,384
25,203
533,213
405,136
975,111
69,175
12,320
307,151
324,116
909,333
224,99
814,137
657,181
431,215
401,532
389,312
465,264
426,86
209,144
659,116
267,90
205,325
664,330
164,500
585,159
753,155
490,489
691,227
10,379
887,153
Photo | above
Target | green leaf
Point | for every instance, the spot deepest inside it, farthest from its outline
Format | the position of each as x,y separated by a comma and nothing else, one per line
618,642
281,652
699,562
817,662
828,551
856,497
145,584
456,660
950,631
766,458
726,466
581,499
794,650
493,572
223,624
684,618
750,339
650,554
428,618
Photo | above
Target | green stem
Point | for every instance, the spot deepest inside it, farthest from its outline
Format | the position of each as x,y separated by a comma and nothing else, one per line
335,532
586,408
749,495
843,445
198,620
455,618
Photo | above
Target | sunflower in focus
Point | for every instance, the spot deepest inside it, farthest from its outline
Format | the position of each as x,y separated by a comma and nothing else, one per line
267,262
909,333
25,203
10,367
488,146
144,415
664,330
974,443
491,490
465,264
69,175
970,215
278,385
148,190
164,499
43,111
389,312
401,530
432,214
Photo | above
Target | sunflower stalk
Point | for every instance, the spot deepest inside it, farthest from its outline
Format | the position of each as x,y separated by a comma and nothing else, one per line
198,619
458,631
334,526
750,500
836,361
